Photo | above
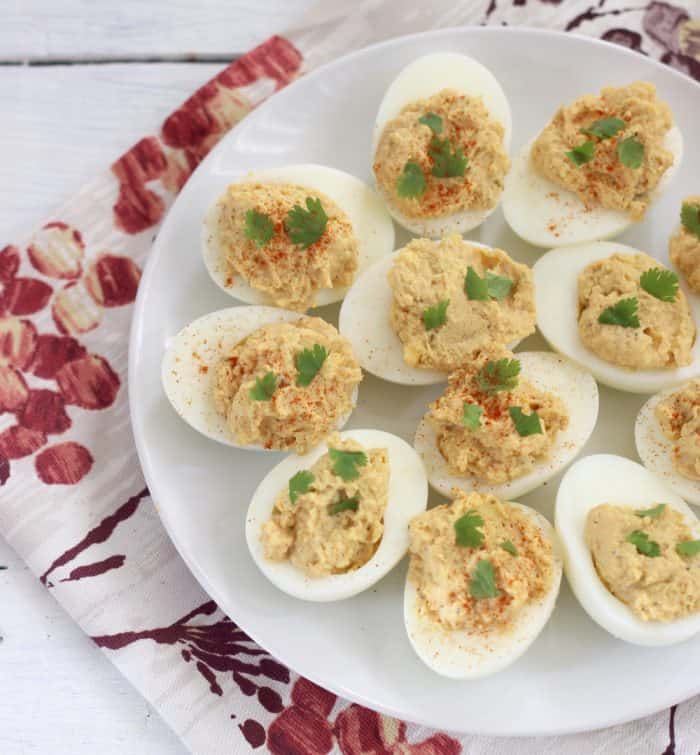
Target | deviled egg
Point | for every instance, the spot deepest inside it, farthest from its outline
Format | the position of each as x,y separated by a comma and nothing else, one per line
440,147
330,524
668,438
482,583
507,424
620,314
295,236
684,245
261,378
631,550
427,309
594,169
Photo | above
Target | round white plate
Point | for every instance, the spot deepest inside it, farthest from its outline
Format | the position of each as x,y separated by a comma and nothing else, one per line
576,676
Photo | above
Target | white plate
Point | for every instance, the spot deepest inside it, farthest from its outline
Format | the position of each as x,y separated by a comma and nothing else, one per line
576,676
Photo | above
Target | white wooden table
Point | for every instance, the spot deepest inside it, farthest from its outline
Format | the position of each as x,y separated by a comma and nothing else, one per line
100,75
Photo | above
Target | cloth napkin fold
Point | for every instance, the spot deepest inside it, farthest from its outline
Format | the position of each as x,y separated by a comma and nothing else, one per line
73,502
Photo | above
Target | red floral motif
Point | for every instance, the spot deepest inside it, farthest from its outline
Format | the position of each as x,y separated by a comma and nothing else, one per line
113,280
17,342
52,352
63,464
4,470
13,390
88,382
57,251
25,296
44,412
17,441
9,263
74,310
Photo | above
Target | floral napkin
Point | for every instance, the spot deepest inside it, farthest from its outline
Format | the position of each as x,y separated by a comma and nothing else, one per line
73,502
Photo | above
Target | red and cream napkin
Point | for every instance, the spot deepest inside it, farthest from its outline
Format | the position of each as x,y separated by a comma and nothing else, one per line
73,502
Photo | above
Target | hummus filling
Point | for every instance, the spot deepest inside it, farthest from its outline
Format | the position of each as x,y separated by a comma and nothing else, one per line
679,418
608,149
492,435
427,274
264,392
335,525
624,324
450,150
254,237
684,246
477,539
636,555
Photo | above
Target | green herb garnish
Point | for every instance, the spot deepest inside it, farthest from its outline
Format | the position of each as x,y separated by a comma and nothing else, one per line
498,376
446,163
471,416
525,424
483,581
433,121
259,228
344,504
660,283
653,513
299,483
509,547
641,542
346,463
688,548
604,128
467,532
308,363
411,183
690,217
264,387
624,313
631,152
306,226
434,317
582,154
491,286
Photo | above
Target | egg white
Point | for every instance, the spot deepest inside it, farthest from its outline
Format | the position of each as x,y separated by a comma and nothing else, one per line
556,295
189,387
544,214
460,655
423,78
656,450
605,478
547,372
371,225
408,496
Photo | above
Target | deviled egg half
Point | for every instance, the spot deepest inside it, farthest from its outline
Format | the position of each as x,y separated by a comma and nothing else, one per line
261,378
667,434
428,308
330,524
440,146
620,314
482,583
294,236
507,423
594,169
631,550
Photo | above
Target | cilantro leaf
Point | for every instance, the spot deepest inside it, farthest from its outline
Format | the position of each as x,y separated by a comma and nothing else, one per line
467,532
346,463
483,581
641,542
582,154
434,317
509,547
264,387
624,313
471,416
308,363
604,128
653,512
411,183
688,548
433,121
344,504
631,152
491,286
258,228
299,483
498,376
525,424
690,217
306,226
660,283
446,163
